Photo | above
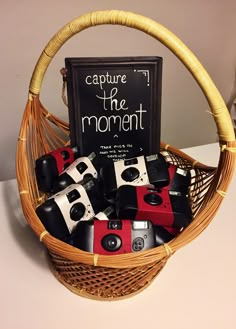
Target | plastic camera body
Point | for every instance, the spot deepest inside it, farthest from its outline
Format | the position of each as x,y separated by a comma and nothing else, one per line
180,180
77,171
62,211
117,236
50,165
168,206
137,171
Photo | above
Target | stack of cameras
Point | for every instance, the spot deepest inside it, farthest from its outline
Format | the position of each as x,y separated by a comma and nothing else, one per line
109,208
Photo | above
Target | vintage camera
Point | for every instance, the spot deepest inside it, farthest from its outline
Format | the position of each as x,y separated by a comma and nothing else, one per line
50,165
62,211
77,171
137,171
161,206
117,236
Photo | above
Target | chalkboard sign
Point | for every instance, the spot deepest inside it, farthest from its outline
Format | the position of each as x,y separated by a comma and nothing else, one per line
115,105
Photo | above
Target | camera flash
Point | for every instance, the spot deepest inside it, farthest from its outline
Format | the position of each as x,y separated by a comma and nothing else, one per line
140,225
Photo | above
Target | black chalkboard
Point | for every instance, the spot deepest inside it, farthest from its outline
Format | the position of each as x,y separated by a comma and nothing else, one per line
115,105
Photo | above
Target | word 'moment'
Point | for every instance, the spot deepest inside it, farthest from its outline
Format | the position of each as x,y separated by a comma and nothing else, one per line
127,122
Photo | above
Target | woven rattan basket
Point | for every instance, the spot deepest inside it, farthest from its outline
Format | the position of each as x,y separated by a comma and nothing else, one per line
114,277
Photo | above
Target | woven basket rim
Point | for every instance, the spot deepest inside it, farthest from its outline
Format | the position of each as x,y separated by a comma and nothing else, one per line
121,260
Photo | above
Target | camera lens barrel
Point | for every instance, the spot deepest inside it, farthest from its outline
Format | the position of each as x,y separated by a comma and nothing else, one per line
111,242
77,211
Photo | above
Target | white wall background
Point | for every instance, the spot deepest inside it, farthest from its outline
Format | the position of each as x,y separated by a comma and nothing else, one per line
207,27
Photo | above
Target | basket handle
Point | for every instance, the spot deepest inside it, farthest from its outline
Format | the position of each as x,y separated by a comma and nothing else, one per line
219,110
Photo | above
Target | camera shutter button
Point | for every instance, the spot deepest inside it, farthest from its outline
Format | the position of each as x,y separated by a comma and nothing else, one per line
153,199
130,174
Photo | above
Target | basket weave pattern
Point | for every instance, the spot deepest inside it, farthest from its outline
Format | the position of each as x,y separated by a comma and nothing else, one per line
101,282
114,277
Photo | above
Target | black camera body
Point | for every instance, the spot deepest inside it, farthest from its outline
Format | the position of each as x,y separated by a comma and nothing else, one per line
50,165
61,212
142,170
180,180
117,236
77,171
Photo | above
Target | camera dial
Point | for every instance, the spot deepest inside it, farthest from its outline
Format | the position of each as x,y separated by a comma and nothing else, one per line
77,211
130,174
111,242
138,244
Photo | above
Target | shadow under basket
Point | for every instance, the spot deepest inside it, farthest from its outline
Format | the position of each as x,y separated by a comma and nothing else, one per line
105,277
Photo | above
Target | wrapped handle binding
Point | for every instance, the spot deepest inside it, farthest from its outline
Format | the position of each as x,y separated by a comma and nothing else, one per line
219,110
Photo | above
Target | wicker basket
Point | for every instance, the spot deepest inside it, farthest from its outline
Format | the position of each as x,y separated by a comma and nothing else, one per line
114,277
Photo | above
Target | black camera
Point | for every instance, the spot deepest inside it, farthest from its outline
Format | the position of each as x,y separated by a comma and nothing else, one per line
50,165
180,180
77,171
61,212
142,170
117,236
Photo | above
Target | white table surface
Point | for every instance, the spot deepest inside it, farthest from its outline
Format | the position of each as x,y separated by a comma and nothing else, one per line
196,289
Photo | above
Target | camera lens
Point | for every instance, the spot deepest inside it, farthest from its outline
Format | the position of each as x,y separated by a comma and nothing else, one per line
153,199
111,242
77,211
130,174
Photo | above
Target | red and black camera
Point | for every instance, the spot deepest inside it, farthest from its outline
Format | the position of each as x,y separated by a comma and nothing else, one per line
168,206
115,236
160,206
50,165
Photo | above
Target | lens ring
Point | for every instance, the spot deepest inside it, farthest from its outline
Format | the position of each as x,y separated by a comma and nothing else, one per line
111,242
77,211
130,174
153,199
